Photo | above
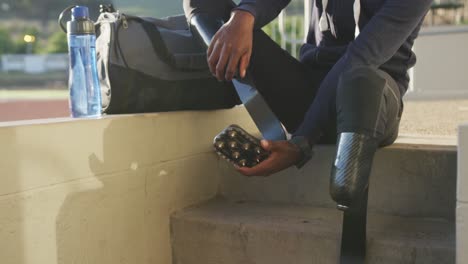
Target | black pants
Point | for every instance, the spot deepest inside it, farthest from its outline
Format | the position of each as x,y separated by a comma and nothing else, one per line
364,101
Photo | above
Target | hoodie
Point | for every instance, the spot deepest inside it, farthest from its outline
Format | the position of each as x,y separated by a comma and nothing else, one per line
382,39
387,28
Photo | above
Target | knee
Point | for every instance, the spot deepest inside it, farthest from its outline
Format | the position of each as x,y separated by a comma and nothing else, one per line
361,81
359,100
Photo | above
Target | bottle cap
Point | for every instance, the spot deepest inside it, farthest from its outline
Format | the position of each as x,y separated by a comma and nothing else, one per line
80,23
80,12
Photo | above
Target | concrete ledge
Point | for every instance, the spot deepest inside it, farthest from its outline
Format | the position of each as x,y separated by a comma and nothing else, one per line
430,143
102,190
82,191
462,185
462,196
462,232
64,150
230,233
410,178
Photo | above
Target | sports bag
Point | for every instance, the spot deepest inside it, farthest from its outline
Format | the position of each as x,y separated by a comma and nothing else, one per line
154,65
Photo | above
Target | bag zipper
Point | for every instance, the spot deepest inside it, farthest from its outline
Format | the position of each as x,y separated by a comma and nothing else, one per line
124,21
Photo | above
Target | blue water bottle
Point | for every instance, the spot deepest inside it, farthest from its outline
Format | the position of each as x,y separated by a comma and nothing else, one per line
85,92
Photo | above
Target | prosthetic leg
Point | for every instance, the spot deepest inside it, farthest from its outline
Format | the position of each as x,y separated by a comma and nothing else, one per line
204,27
349,188
361,116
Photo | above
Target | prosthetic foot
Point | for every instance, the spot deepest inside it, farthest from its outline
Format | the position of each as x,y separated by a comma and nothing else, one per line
204,27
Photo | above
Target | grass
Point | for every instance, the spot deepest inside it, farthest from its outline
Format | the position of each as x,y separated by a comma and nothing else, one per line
9,95
21,75
20,79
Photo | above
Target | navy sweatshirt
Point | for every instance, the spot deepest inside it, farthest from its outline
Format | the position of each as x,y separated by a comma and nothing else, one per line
388,29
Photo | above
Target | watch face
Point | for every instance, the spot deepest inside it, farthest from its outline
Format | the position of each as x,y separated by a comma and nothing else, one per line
239,147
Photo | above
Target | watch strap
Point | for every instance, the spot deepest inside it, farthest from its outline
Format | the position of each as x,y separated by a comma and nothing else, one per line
306,150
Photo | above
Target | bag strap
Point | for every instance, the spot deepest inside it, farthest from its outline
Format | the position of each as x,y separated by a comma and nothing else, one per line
191,61
183,61
157,41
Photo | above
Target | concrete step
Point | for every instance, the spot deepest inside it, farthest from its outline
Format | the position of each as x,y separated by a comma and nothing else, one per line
222,232
414,177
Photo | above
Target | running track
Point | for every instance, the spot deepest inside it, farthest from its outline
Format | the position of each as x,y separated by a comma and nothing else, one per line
33,109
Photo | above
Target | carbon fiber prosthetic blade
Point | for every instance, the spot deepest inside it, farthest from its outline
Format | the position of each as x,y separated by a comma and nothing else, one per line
351,169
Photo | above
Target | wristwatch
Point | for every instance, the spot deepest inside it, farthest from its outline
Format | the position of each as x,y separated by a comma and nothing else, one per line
306,151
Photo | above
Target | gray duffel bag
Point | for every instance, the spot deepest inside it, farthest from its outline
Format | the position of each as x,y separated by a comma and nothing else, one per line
154,65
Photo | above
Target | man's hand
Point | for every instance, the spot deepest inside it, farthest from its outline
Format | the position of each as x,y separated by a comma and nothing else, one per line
283,155
231,47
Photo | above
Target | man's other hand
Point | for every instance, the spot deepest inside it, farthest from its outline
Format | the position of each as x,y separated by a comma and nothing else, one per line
283,155
231,47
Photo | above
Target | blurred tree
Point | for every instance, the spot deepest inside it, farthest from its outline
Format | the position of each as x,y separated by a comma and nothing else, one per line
57,43
46,10
6,43
154,8
23,46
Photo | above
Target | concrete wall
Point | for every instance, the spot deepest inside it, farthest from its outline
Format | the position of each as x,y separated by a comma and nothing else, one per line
462,196
442,63
101,191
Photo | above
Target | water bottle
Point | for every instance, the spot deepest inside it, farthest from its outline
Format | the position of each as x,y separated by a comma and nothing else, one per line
85,92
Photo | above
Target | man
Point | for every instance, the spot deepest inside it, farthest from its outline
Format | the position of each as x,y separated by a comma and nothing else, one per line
348,83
